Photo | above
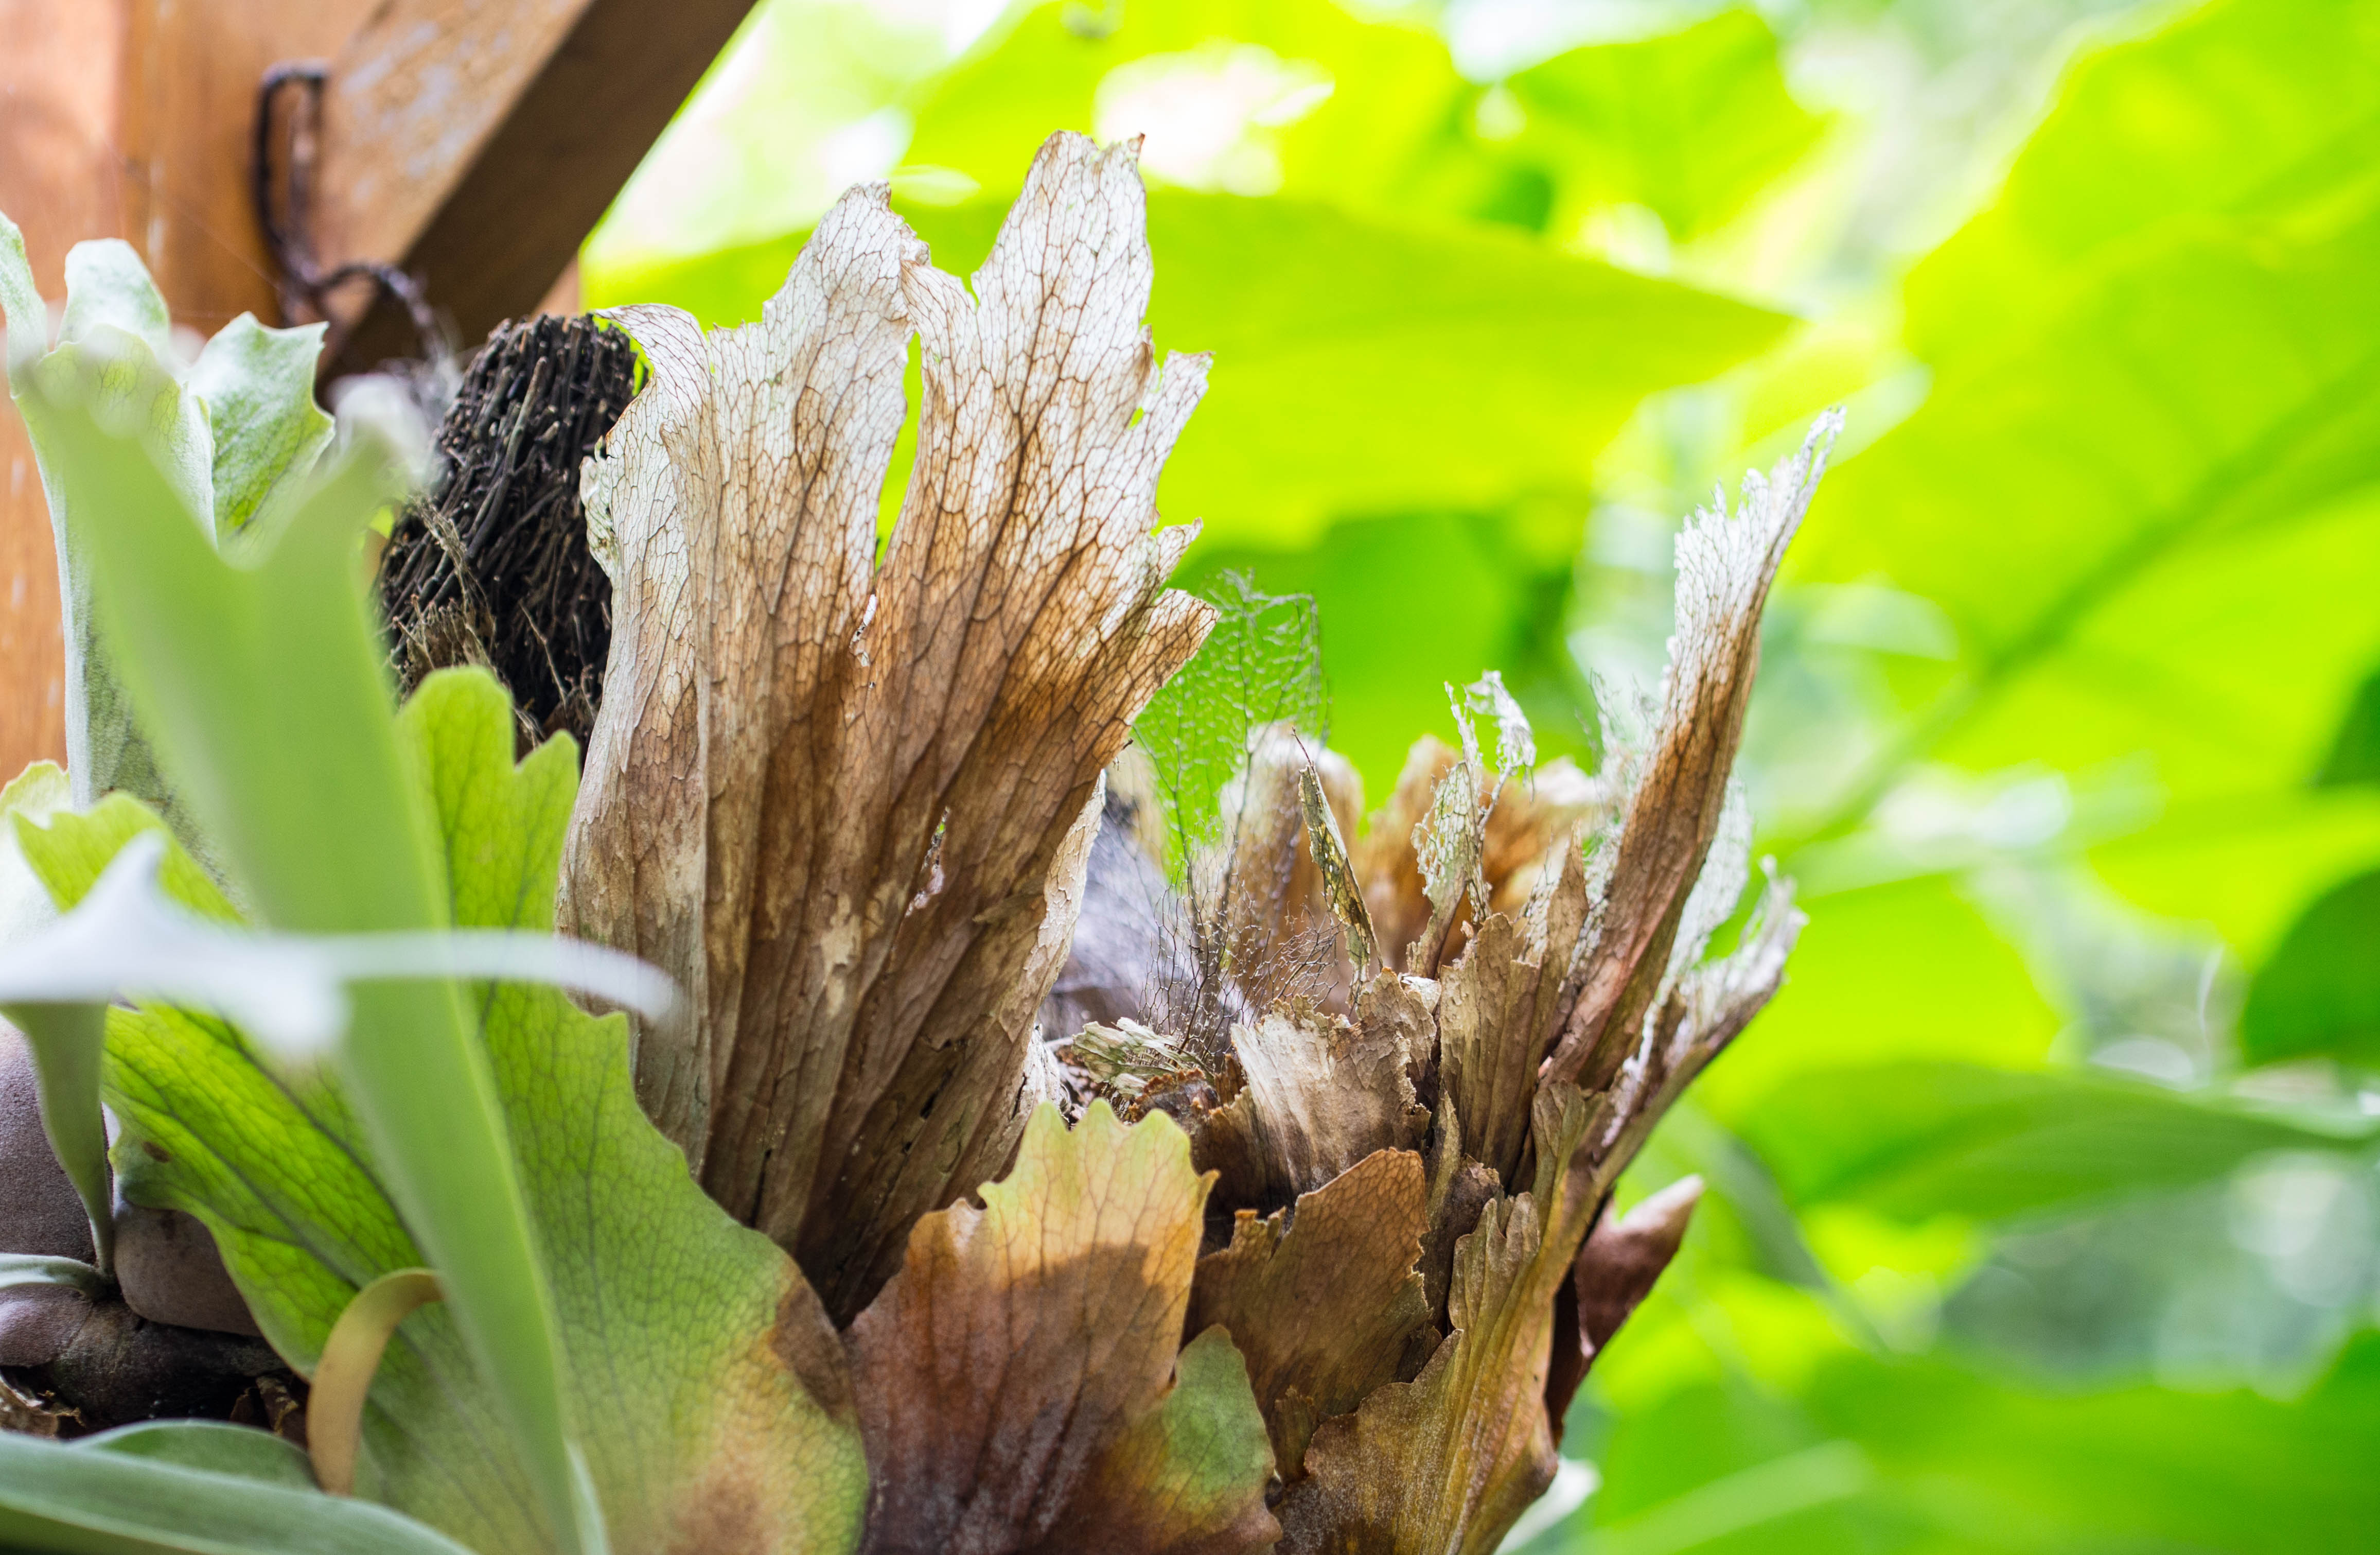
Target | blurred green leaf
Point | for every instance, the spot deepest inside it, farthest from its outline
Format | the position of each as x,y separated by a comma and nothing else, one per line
264,689
1360,366
2238,109
1924,1456
2319,994
1907,970
699,1363
1367,103
1691,123
1916,1139
2355,751
2145,495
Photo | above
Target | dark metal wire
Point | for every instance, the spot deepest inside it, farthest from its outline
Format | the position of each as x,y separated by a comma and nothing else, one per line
287,221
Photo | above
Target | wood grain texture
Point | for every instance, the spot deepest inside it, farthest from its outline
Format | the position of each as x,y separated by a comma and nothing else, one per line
59,78
125,118
476,142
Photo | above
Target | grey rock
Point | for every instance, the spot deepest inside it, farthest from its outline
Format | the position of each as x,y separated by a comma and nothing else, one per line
39,1211
39,1323
120,1367
170,1271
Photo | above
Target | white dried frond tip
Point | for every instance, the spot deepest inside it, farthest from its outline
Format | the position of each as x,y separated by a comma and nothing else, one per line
1725,563
1516,743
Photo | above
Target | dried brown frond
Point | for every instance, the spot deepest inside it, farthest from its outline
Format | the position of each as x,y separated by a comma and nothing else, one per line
850,807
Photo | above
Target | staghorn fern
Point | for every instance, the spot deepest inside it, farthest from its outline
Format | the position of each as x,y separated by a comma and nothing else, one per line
1318,1272
872,795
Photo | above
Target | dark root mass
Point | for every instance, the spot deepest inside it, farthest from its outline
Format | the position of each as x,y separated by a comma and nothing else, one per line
491,565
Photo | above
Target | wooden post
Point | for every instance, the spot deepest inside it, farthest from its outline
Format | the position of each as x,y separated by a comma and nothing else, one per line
59,78
125,118
474,142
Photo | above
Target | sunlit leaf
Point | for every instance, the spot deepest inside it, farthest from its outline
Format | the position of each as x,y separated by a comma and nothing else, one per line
1915,1139
1929,1456
187,1486
263,687
2157,544
696,1353
2319,993
1691,123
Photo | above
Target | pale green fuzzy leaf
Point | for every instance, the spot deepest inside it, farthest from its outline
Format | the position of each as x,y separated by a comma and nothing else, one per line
215,1447
107,287
186,1489
710,1386
126,940
265,683
37,793
28,318
115,348
258,386
31,1268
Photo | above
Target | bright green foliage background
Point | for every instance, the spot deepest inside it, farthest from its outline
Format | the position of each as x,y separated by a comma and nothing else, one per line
2044,1210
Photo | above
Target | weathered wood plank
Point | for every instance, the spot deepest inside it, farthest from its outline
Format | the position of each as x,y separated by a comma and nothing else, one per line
476,142
126,119
60,75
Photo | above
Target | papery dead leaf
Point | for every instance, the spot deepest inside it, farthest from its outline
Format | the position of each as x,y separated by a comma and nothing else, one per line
1447,1461
846,806
1321,1309
1323,1093
1725,566
1340,887
1016,1378
1498,1009
1613,1274
1528,823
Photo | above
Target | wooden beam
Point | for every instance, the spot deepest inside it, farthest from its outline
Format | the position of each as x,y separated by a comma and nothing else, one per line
476,143
125,118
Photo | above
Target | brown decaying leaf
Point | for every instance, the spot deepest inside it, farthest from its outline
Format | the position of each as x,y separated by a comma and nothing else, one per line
1529,822
1447,1461
1614,1273
1321,1308
1017,1378
1321,1093
846,806
1340,887
1725,566
850,807
1498,1010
